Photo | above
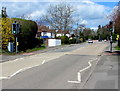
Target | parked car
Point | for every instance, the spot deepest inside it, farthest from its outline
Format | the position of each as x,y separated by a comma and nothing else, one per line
90,41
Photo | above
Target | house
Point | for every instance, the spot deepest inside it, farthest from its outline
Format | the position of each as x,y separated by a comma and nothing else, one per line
62,33
45,32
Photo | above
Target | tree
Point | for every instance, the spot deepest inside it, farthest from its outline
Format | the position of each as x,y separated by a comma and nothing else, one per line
102,32
116,19
5,31
59,16
87,33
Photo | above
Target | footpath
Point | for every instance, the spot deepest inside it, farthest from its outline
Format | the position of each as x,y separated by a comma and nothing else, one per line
106,74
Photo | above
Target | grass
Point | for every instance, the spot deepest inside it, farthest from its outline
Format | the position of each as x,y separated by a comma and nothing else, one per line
36,49
117,48
27,51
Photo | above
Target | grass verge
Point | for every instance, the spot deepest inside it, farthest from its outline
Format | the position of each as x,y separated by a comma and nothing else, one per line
36,49
117,48
27,51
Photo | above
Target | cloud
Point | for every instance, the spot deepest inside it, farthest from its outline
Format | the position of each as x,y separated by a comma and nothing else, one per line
84,22
95,28
89,12
17,9
92,10
87,2
36,14
58,0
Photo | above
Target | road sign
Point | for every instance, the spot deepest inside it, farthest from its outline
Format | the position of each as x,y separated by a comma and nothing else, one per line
17,43
118,36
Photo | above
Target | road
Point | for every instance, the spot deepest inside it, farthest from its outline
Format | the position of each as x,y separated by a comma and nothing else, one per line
69,70
57,48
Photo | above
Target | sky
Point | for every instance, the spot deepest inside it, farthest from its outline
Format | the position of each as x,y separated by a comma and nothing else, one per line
91,12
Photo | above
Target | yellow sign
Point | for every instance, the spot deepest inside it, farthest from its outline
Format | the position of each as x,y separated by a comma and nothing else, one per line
118,36
17,43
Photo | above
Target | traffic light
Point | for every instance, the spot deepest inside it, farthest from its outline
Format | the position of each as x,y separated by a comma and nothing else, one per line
14,28
111,26
20,28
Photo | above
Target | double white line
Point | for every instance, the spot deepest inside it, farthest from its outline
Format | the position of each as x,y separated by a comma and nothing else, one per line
79,78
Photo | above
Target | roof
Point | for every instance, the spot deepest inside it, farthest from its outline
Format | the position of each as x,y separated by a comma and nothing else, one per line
63,32
45,29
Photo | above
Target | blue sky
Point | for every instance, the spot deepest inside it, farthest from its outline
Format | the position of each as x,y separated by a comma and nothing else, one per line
90,12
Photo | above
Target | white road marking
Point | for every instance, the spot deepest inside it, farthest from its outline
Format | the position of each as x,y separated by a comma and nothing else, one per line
43,61
74,81
3,78
79,77
21,70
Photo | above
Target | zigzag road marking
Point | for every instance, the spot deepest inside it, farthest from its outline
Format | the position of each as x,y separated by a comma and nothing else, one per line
79,77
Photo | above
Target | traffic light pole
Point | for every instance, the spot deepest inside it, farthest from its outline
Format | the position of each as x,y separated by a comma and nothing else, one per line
15,30
111,32
16,45
111,42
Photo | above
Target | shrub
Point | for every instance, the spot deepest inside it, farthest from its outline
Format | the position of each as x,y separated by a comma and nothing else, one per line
39,42
26,38
72,41
64,40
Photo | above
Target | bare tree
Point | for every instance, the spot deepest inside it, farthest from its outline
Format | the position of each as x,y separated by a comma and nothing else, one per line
24,16
117,22
40,21
59,16
115,16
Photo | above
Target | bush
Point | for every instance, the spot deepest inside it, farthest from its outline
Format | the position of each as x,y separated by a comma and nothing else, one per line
64,40
39,42
26,38
72,41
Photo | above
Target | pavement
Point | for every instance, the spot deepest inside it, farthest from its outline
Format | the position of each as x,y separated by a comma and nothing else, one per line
106,72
